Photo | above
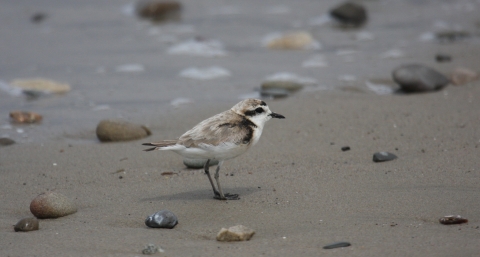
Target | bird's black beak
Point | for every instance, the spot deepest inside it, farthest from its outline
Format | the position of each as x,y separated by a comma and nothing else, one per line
276,115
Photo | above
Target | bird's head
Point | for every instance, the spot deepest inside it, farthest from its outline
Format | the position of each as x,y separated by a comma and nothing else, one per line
256,111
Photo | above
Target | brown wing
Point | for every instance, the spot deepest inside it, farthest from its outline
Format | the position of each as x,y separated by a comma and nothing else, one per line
225,127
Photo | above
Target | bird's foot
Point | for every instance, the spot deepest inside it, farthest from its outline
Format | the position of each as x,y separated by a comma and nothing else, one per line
227,197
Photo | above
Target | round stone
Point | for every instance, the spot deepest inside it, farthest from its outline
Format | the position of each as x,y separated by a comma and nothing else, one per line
51,205
350,14
162,219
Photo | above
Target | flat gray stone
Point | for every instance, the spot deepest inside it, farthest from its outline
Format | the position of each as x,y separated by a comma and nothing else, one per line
383,156
419,78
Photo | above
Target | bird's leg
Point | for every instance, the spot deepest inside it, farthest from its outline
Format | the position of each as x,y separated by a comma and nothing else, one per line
206,168
222,196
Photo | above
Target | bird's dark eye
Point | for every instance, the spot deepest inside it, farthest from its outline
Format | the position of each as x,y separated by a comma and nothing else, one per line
259,110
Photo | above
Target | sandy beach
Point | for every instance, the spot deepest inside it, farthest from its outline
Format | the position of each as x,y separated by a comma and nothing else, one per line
299,191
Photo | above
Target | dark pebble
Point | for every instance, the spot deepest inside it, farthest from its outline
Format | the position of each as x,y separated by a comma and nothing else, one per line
443,58
159,11
26,224
383,156
4,141
450,36
346,148
452,219
337,245
350,14
419,78
162,219
38,17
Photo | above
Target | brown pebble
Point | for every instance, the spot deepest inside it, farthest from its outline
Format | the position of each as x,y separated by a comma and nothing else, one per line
120,130
168,173
26,224
235,233
452,219
461,76
25,117
159,11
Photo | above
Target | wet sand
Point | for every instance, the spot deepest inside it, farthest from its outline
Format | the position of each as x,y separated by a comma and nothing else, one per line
299,191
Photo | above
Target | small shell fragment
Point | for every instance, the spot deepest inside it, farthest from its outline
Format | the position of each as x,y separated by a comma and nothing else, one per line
452,219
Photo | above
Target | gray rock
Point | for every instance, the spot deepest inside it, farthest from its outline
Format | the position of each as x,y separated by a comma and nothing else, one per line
162,219
119,130
51,205
419,78
26,224
350,14
4,141
198,163
383,156
235,233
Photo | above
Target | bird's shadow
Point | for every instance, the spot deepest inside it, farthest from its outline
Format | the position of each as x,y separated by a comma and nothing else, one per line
201,194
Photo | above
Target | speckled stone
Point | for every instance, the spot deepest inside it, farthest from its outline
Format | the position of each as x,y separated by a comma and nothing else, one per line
162,219
51,205
27,224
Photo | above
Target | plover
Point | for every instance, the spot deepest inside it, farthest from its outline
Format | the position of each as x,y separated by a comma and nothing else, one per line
222,137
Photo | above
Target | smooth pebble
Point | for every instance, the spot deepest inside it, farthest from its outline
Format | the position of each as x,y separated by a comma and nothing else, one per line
337,245
27,224
419,78
350,14
383,156
119,130
162,219
4,141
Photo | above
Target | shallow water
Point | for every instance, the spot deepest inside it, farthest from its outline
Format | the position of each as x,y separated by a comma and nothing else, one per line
120,66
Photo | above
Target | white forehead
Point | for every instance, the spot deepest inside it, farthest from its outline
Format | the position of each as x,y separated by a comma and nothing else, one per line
249,104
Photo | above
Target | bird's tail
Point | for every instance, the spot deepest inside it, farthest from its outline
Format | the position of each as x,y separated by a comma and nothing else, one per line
160,145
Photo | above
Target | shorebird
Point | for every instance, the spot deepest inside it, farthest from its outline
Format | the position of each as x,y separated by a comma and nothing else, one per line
222,137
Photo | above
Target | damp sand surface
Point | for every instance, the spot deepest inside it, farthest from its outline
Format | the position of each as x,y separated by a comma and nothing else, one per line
299,191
